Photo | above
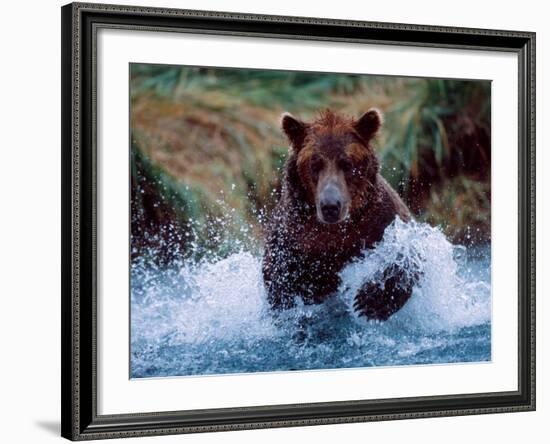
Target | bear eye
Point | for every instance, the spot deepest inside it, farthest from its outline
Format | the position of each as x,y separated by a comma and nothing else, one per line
317,164
345,165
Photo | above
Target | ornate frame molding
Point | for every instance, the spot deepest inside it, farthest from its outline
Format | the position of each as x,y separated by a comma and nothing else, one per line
80,22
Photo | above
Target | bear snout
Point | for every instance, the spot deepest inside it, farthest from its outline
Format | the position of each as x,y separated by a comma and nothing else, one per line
331,212
332,207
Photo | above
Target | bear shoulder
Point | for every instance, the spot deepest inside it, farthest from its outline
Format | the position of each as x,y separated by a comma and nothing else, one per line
393,200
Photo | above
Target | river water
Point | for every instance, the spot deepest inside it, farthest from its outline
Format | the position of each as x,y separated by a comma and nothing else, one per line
211,316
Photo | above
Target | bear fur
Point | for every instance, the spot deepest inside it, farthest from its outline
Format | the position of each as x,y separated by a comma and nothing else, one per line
304,254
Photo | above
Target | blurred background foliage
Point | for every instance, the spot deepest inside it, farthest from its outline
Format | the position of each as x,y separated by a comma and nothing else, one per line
207,151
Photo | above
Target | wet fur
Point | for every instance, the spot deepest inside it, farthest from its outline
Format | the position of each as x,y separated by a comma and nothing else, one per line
303,256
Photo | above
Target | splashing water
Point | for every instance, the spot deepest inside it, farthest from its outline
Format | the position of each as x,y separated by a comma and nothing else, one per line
212,317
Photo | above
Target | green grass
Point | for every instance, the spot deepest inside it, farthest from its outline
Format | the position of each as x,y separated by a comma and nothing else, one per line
212,135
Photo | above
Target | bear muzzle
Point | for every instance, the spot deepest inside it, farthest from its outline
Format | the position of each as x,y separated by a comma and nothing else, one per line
332,206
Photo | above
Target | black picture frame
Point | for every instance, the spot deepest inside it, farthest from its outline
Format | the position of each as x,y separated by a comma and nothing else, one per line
80,420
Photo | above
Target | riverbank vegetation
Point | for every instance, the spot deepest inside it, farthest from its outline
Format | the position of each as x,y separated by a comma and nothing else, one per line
207,151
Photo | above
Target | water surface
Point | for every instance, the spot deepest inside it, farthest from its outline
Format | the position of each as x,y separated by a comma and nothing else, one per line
211,316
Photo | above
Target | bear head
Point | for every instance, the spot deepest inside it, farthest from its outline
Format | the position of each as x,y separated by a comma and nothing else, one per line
332,161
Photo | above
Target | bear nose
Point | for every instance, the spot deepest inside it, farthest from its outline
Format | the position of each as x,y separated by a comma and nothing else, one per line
331,211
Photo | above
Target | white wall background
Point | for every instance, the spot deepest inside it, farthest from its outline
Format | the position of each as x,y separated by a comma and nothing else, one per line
30,221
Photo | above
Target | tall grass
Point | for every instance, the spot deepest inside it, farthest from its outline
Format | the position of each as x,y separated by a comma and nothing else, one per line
210,136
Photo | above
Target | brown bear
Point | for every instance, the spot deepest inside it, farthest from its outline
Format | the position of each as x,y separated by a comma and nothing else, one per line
334,205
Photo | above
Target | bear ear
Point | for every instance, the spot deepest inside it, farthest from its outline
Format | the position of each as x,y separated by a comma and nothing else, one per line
294,129
368,124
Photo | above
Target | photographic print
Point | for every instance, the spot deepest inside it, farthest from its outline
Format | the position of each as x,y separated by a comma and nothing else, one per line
292,221
273,221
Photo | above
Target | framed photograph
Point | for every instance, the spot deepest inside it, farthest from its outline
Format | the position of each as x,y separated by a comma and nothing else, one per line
281,221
